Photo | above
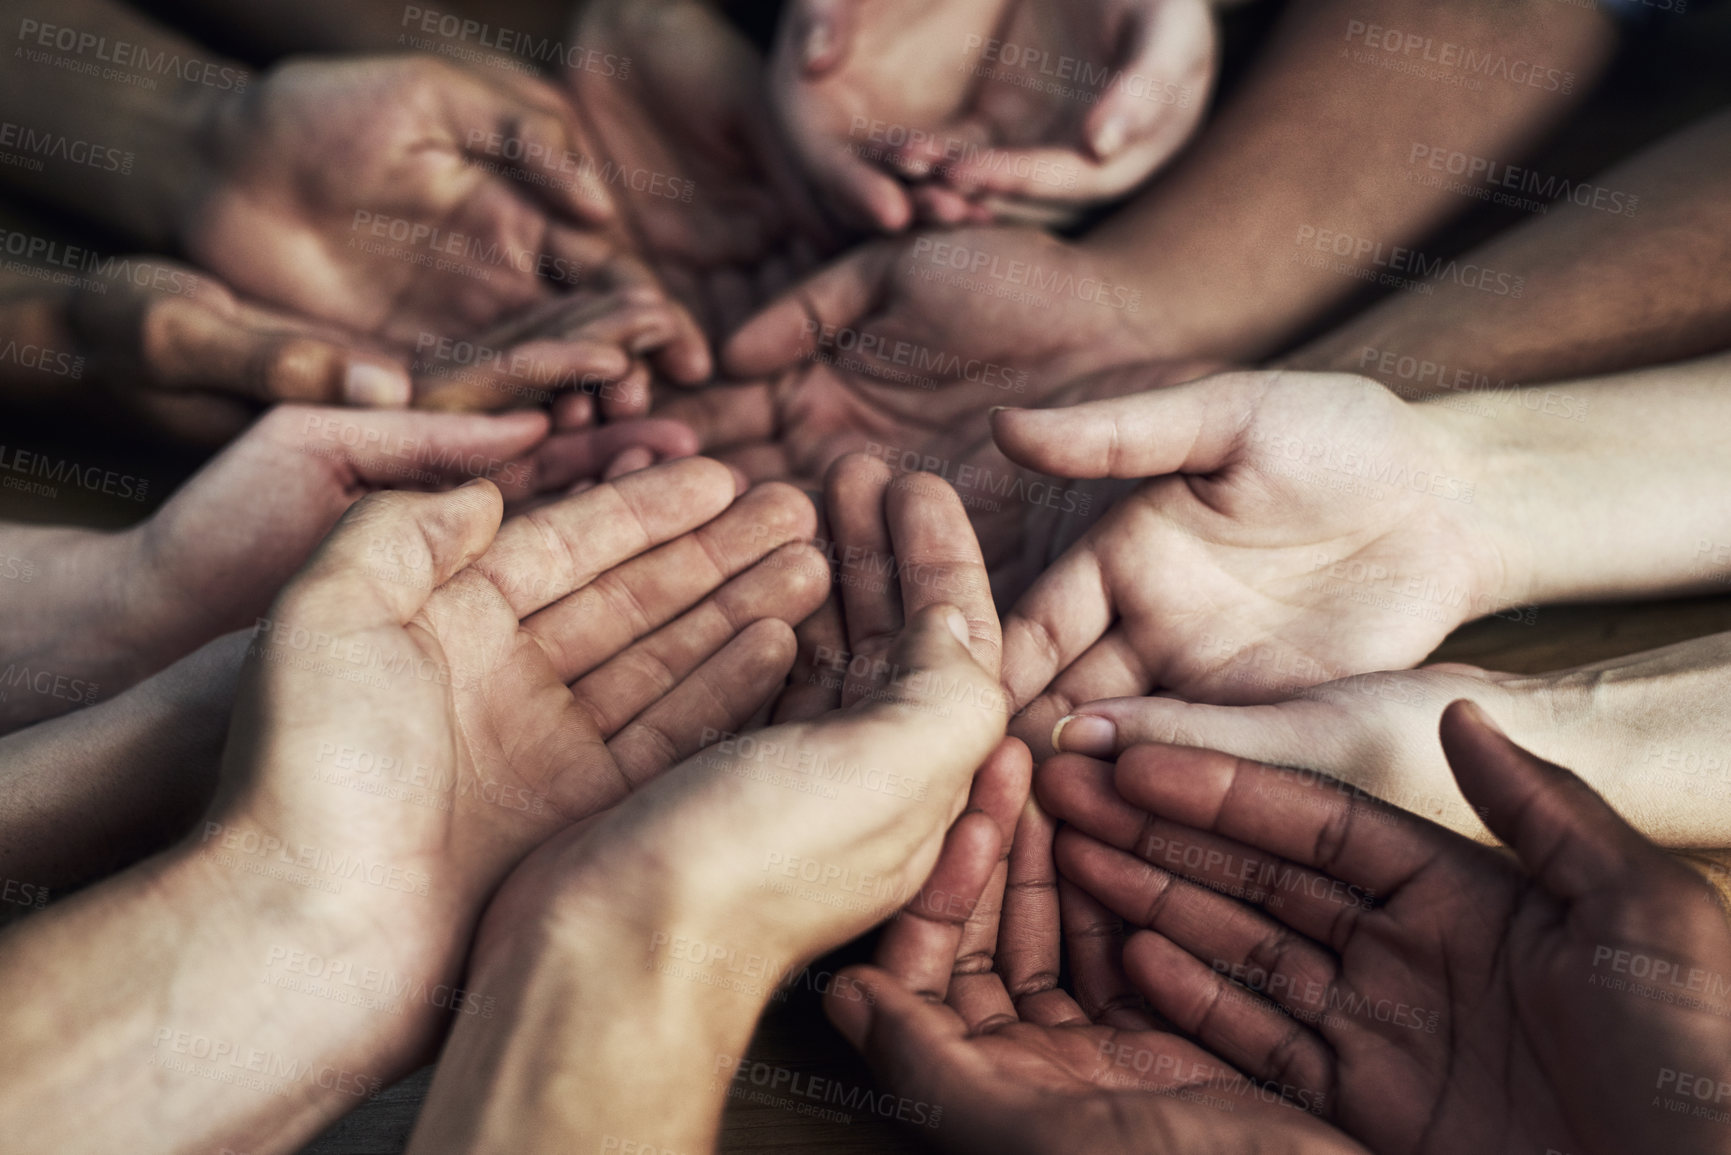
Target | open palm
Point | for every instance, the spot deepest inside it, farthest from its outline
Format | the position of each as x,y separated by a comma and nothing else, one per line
1439,995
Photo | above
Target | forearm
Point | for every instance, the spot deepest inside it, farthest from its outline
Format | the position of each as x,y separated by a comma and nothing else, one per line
83,795
595,1047
105,113
1651,733
1318,141
140,1017
1654,226
68,633
1602,489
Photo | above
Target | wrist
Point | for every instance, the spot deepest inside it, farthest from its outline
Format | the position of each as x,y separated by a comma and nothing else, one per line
594,1038
1493,523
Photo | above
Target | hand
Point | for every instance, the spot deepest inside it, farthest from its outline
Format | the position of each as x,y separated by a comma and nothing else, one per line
988,109
378,193
598,921
962,1015
892,351
1440,996
215,555
675,97
529,676
1294,529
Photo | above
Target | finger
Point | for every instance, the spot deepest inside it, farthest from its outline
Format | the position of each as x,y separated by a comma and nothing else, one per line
720,696
1195,427
778,588
566,458
1094,941
920,945
380,449
813,688
1206,917
1110,668
1166,48
1309,821
789,329
1572,841
1106,727
854,495
547,554
724,415
1029,934
1000,791
639,596
573,411
531,374
761,462
820,34
546,133
907,1040
1065,611
1239,1026
630,461
342,589
191,345
938,559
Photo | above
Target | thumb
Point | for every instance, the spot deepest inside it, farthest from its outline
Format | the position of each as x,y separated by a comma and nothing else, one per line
1162,73
820,34
897,1032
789,329
1561,830
1192,428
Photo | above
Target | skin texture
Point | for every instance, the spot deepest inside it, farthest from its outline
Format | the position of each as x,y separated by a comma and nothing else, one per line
1439,995
995,137
604,1032
434,718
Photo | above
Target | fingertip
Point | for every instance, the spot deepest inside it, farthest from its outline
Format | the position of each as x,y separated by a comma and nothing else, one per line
852,1014
374,384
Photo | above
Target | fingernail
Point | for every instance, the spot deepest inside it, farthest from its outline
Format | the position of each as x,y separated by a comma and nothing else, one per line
1087,734
375,386
997,409
1483,718
958,624
1110,136
818,43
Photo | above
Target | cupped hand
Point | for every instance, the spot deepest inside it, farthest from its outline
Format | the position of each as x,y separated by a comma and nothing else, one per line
436,694
962,1014
863,792
1292,529
902,349
219,551
400,196
969,112
1438,995
675,98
